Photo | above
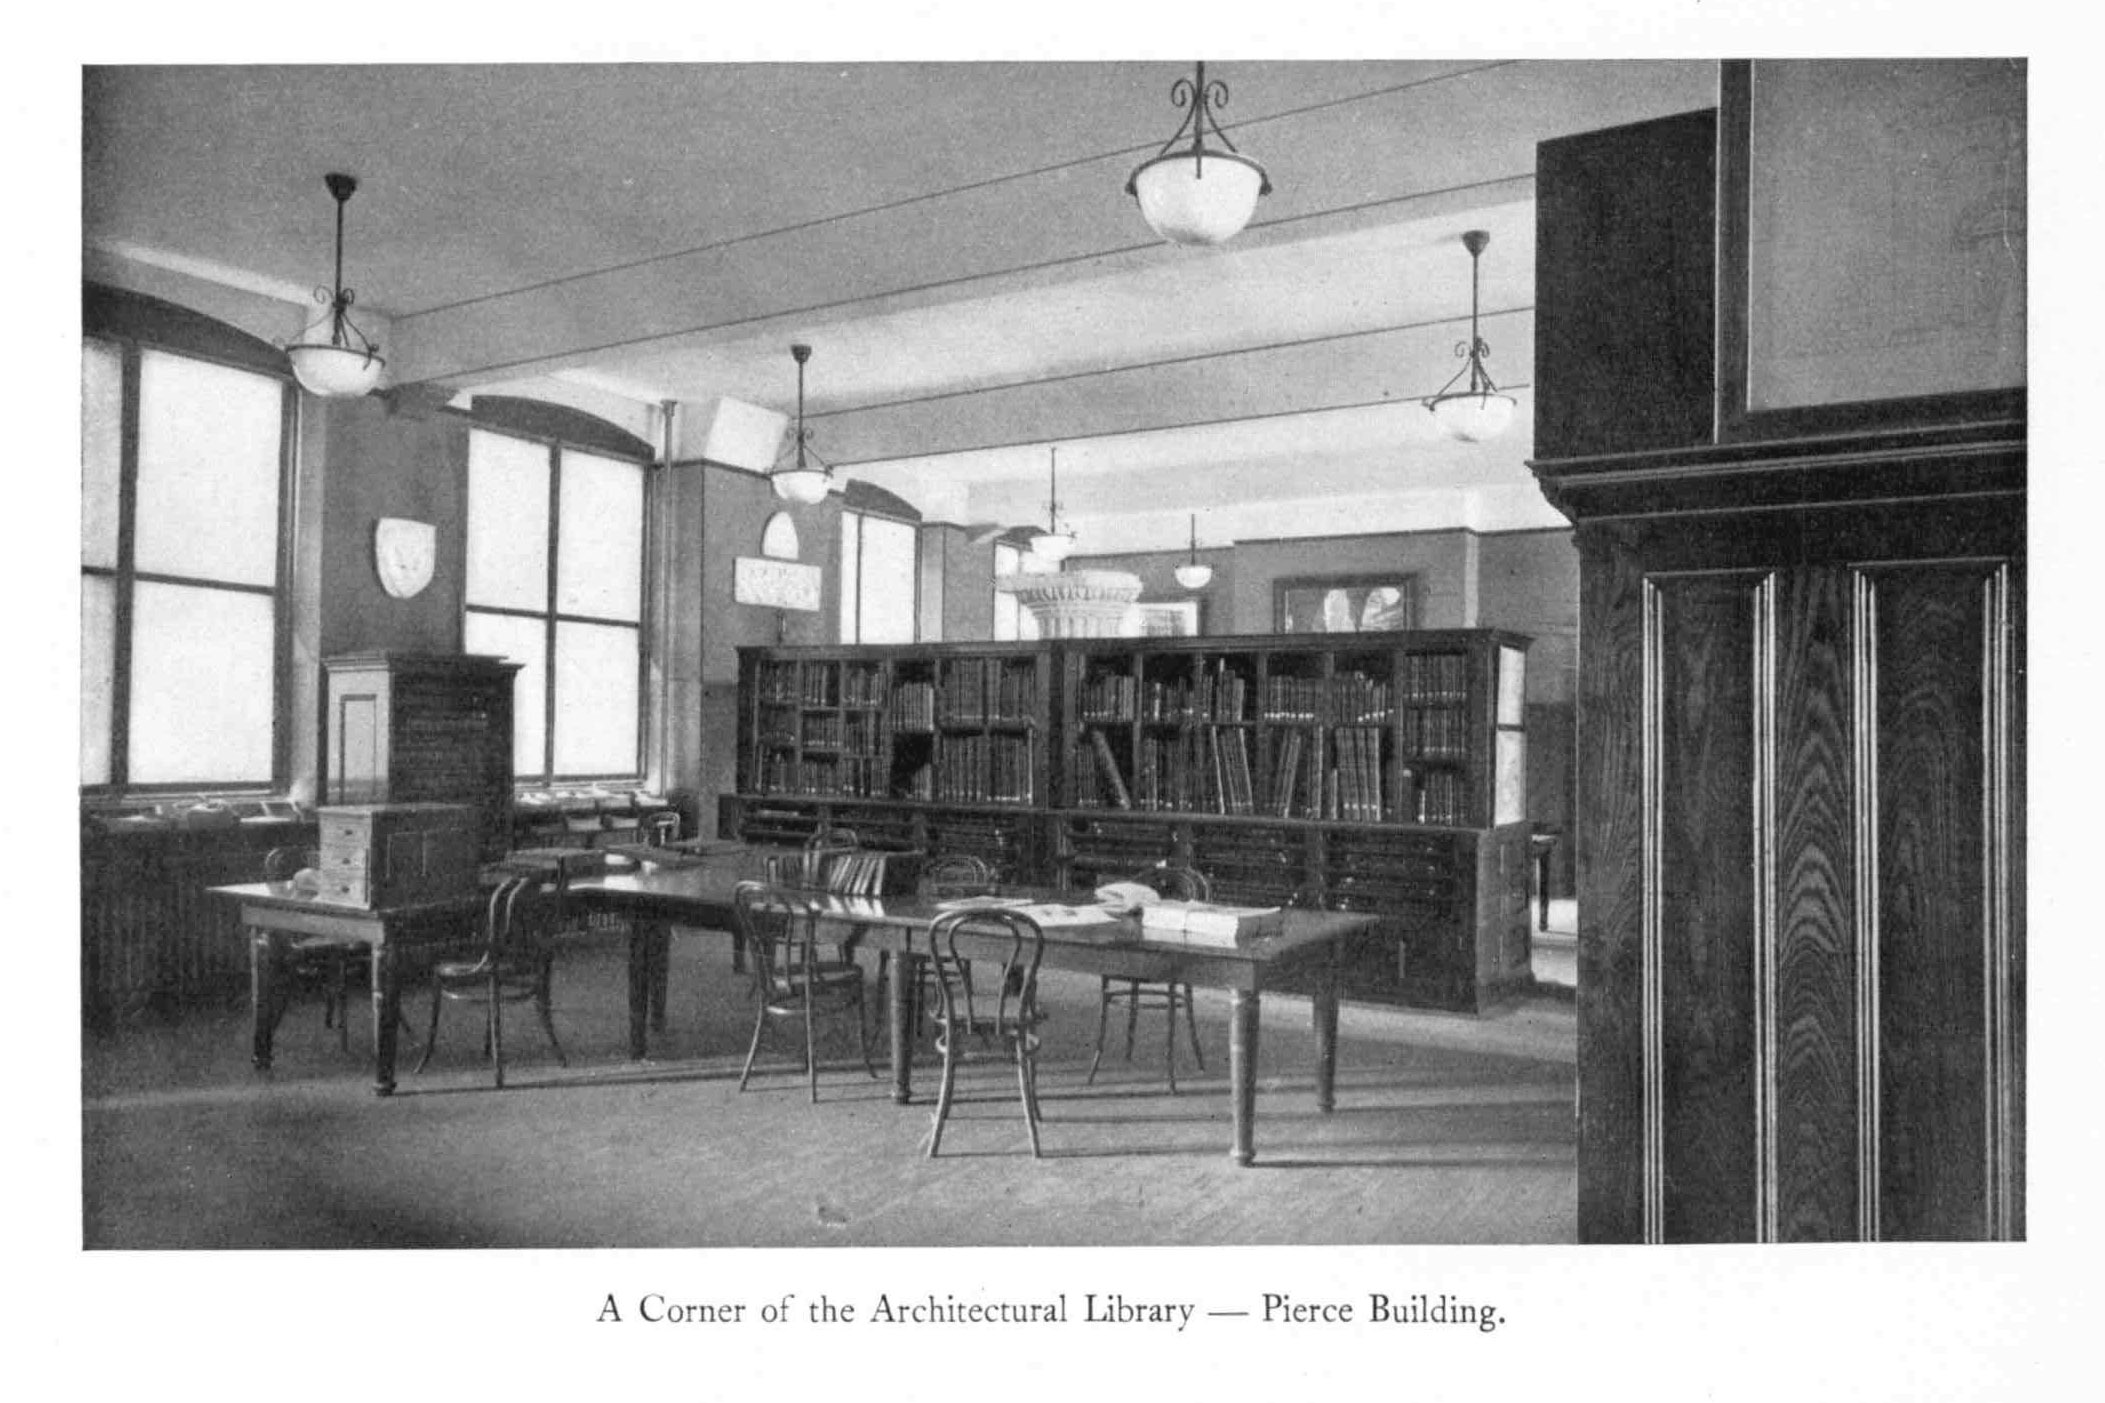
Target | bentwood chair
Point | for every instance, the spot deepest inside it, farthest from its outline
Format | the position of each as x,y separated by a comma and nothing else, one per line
318,959
1179,883
1014,1021
952,875
516,964
832,863
811,867
792,981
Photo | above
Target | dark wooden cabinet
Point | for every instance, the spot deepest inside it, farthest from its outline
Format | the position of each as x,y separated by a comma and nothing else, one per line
1384,773
409,728
1800,811
1625,256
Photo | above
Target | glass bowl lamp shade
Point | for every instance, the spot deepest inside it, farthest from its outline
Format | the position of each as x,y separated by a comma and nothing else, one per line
1475,411
805,486
1194,193
1472,418
1198,199
803,479
333,358
1192,574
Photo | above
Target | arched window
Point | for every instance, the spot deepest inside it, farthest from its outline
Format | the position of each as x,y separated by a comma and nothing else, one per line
186,450
555,582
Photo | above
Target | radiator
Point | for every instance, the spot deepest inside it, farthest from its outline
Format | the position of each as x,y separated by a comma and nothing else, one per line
150,934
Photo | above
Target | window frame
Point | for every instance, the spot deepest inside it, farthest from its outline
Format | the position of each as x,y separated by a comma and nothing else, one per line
125,576
860,514
550,618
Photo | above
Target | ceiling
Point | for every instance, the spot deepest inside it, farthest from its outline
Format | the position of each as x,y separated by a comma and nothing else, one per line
953,239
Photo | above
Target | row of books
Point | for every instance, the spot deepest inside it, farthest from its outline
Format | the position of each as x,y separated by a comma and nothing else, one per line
822,684
1110,696
913,706
1221,694
858,733
1307,784
987,689
862,684
1441,797
983,769
1434,677
863,776
1347,698
1436,733
1359,788
1198,771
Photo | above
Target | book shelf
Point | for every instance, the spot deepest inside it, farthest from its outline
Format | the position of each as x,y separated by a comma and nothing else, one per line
1370,772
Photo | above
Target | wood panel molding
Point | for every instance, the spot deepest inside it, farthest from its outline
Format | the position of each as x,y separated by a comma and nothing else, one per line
1765,902
1651,1015
1864,749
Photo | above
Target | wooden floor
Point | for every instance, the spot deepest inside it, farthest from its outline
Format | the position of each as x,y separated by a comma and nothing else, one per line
1448,1130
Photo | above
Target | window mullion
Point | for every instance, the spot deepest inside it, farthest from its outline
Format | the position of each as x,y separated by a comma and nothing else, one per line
121,605
281,592
548,626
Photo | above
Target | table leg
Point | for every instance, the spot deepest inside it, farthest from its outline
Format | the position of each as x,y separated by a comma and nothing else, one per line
1325,1004
387,1016
1242,1072
646,934
1542,891
899,1001
264,959
661,972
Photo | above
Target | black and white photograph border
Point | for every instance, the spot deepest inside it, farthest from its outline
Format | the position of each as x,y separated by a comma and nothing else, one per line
1444,1231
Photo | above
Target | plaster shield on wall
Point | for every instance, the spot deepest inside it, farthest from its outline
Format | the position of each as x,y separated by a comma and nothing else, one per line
404,555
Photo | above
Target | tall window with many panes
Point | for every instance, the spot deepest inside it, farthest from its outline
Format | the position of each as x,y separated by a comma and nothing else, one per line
183,470
555,583
880,576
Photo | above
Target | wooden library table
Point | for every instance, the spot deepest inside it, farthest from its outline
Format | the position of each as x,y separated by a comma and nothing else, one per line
656,900
275,918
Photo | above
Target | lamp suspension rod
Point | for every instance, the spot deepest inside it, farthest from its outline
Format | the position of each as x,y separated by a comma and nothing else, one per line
1474,241
800,353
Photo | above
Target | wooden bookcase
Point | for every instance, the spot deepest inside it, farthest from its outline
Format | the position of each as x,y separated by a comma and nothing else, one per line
1376,772
408,728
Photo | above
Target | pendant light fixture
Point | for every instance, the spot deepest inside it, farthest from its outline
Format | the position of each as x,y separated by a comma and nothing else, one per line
1055,543
343,361
1191,574
1477,411
1194,194
799,481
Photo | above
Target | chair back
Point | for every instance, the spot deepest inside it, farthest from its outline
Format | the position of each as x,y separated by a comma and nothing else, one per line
521,918
839,871
1016,1010
1175,881
282,865
780,927
957,874
662,829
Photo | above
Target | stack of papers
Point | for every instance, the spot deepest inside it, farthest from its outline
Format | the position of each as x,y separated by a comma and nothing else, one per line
1203,923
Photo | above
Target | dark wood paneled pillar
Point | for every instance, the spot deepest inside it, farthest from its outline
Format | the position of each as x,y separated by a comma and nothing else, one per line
1800,853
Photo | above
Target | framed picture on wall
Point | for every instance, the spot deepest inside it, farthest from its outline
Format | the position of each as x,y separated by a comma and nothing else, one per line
1345,604
1177,618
